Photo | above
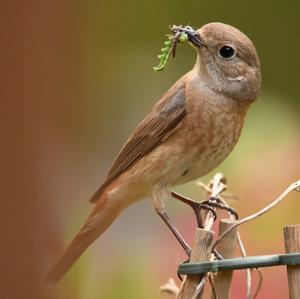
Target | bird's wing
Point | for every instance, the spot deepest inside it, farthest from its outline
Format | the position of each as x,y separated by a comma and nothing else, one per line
164,118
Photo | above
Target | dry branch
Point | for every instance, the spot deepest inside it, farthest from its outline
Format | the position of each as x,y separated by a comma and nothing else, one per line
192,286
292,187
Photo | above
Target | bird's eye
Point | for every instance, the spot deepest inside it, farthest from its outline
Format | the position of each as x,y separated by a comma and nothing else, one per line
227,52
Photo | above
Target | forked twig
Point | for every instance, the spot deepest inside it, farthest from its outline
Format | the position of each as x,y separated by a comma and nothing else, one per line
292,187
215,189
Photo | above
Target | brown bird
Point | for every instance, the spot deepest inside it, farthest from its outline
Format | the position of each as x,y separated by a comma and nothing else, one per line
189,131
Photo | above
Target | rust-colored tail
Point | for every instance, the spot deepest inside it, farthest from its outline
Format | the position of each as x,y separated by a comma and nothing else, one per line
99,220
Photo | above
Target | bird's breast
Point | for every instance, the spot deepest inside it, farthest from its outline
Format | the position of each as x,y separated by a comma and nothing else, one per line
211,148
212,129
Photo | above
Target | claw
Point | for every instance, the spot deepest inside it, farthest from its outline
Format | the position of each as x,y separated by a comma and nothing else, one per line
196,206
216,203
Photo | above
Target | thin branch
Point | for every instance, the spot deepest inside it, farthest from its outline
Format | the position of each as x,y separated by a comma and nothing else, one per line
260,281
212,284
200,287
217,188
248,271
224,195
170,287
292,187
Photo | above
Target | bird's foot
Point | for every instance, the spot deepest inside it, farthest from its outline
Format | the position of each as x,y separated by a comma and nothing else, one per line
215,202
196,206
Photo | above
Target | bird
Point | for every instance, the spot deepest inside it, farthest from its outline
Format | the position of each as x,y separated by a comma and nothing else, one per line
192,128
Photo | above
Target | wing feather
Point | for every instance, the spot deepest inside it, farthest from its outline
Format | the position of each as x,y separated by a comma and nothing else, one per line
164,118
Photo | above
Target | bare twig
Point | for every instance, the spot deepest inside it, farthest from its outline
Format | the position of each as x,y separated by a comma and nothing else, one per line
170,287
213,287
260,281
217,187
214,191
248,271
200,287
224,194
292,187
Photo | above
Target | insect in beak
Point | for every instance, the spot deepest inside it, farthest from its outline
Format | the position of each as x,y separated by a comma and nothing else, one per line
191,34
179,34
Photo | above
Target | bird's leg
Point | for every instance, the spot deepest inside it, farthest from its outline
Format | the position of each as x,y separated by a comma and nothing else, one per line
175,231
160,210
197,206
206,205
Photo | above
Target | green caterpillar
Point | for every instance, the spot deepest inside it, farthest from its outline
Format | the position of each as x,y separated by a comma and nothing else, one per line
170,46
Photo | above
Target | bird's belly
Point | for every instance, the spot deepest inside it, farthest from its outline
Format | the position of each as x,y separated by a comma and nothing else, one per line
201,160
202,166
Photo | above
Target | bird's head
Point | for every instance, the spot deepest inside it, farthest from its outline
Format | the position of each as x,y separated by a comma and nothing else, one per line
227,61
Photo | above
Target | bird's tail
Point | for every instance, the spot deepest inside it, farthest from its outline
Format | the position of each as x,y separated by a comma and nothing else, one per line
99,220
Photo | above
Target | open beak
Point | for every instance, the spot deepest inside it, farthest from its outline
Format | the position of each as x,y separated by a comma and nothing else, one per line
193,35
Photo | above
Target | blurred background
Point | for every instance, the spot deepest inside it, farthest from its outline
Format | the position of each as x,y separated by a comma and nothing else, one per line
76,79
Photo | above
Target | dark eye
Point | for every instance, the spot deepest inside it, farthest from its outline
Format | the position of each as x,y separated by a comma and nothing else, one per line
226,52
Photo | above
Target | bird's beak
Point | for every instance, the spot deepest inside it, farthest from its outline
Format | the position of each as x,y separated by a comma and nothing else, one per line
195,38
193,35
